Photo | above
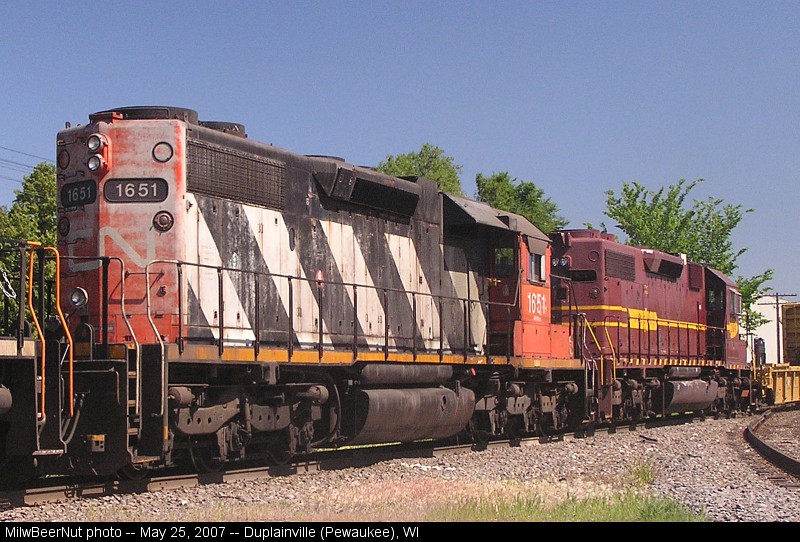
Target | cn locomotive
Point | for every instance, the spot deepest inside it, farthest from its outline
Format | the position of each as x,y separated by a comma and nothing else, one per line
219,300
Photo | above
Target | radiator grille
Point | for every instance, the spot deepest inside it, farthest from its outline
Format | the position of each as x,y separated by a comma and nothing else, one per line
620,266
214,170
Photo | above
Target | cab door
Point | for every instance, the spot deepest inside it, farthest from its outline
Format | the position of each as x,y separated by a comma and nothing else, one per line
534,334
504,275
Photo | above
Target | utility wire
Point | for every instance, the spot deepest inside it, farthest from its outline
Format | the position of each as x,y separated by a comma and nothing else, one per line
27,154
17,166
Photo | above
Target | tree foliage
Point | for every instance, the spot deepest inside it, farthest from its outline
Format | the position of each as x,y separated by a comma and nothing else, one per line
32,215
501,191
663,219
752,289
431,162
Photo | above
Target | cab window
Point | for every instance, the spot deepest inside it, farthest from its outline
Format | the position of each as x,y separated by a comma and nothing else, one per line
536,268
504,262
735,303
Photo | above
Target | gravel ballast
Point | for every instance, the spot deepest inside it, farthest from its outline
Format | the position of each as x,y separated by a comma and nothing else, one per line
707,466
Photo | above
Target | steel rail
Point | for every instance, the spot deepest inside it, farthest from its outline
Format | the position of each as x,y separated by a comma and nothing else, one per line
784,462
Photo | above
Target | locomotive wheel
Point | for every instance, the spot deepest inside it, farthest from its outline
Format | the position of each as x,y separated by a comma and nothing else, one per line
279,450
545,430
134,471
203,457
513,431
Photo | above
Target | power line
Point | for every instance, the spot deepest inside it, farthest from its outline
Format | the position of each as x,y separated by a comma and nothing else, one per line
17,166
27,154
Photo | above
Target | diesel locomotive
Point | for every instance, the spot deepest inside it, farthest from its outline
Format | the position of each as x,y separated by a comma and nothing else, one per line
217,299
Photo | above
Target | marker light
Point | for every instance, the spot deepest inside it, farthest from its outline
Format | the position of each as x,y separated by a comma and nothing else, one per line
78,298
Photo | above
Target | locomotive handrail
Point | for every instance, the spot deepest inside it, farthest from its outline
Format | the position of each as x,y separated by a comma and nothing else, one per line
611,345
137,347
62,320
219,269
678,347
20,249
582,325
600,350
157,334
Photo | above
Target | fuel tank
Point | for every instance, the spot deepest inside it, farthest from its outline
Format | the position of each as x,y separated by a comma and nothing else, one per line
405,415
689,395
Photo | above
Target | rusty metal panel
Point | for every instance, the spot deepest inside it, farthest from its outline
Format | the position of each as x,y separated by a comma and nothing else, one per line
790,317
783,382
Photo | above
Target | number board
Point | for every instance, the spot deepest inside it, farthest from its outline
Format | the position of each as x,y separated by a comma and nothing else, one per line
135,190
80,193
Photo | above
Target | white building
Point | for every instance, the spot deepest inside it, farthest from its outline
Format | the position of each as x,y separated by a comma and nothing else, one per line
772,332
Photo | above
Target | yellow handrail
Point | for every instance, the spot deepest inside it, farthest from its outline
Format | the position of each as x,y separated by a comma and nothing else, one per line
61,318
613,354
599,349
35,319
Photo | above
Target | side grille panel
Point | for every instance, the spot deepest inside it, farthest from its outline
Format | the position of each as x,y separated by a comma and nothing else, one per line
620,266
218,171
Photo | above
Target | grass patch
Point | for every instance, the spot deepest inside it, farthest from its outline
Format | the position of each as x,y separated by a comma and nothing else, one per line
627,507
642,474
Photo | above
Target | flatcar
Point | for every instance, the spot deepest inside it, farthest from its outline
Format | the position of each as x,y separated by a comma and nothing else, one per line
227,300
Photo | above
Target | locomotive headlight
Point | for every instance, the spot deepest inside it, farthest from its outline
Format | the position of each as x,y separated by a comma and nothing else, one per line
95,142
564,261
163,221
78,298
554,262
95,162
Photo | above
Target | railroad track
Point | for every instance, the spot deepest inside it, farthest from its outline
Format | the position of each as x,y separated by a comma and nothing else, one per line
788,465
62,489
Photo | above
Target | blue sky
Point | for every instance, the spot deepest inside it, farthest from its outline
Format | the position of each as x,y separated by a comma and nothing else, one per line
576,96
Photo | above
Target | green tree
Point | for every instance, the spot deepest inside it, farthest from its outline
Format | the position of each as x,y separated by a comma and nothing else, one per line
751,289
662,219
501,191
431,162
32,215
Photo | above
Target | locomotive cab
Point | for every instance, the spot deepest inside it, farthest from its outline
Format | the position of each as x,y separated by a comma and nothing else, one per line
519,293
517,283
724,310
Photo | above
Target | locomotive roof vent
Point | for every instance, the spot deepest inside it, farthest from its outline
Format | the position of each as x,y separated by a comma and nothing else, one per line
149,112
662,263
232,128
367,187
338,158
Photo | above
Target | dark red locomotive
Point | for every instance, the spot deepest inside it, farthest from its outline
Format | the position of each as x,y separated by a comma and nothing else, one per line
662,333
